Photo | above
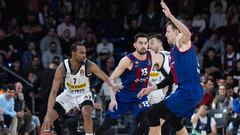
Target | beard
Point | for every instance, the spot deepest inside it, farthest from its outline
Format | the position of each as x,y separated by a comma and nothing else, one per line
142,52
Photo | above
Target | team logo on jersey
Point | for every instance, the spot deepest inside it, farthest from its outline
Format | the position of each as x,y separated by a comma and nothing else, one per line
154,74
81,72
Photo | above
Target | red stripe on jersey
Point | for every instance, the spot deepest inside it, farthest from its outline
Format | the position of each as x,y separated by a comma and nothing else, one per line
137,80
173,68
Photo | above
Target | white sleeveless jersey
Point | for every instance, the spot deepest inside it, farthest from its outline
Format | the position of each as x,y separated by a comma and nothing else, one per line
76,83
156,76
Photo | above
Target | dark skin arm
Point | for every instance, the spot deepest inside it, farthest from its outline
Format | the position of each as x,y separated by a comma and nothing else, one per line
51,114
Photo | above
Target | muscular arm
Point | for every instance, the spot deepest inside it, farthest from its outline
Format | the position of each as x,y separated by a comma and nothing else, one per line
123,64
55,87
92,67
157,58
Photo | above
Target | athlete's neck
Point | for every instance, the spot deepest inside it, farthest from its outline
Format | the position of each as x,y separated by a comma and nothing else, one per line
74,63
139,56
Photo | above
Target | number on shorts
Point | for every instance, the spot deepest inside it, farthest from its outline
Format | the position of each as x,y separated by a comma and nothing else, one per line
145,104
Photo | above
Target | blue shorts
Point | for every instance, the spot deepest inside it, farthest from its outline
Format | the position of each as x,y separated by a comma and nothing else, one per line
135,107
183,103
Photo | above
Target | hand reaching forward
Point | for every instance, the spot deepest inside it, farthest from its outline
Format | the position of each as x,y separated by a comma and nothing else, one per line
117,87
146,91
113,104
165,9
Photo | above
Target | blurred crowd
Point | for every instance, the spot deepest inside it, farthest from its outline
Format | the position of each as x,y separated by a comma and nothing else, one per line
35,36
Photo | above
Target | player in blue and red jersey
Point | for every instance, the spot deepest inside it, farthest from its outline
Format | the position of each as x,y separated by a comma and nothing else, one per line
185,73
133,70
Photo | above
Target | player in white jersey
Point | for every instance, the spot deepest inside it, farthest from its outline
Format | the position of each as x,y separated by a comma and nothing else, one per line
158,74
74,72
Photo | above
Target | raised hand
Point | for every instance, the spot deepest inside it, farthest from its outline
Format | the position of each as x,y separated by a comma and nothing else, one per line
165,9
113,104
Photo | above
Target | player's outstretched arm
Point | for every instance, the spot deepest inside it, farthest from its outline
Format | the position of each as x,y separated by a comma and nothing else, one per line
146,91
58,78
186,34
92,67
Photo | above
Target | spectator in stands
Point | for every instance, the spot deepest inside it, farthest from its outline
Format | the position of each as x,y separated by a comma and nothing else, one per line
50,23
7,105
16,68
23,114
66,24
3,127
104,50
202,123
109,65
35,66
198,23
83,30
229,59
221,82
212,63
91,45
50,37
218,19
49,54
29,54
234,125
213,9
31,29
232,15
114,23
236,71
4,43
66,42
151,20
13,26
208,96
214,42
229,81
44,14
133,14
222,100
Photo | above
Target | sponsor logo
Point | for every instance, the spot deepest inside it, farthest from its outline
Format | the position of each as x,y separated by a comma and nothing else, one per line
76,87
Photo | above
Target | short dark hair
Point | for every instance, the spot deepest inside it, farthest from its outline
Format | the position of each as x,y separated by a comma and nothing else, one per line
140,35
10,87
158,36
76,44
172,24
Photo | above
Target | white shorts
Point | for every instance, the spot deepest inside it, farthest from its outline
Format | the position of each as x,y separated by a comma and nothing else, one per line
70,100
156,96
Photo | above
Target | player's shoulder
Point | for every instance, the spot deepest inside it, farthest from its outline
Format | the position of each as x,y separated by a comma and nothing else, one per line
125,59
166,53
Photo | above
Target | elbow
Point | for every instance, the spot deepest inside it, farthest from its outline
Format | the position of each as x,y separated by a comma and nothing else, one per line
188,34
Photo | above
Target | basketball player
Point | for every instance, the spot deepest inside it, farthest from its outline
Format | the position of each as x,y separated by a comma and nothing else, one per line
74,72
158,74
134,70
185,72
